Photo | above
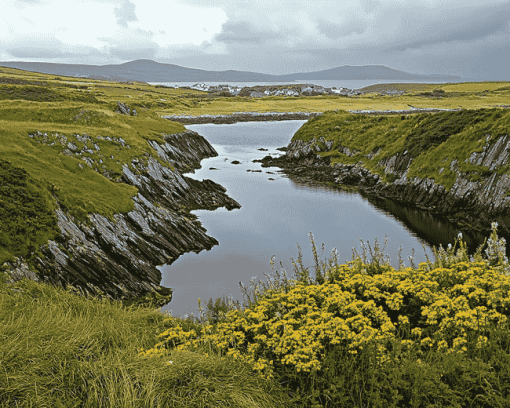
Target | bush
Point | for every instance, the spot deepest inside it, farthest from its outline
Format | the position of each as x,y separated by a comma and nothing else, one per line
26,214
366,333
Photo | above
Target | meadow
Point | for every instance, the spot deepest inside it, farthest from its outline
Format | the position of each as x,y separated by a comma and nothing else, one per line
353,335
61,144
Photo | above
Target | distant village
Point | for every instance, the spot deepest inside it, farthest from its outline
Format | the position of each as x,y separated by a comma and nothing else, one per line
260,91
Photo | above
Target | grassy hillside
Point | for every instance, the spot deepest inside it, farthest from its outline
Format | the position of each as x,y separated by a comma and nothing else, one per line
59,143
432,140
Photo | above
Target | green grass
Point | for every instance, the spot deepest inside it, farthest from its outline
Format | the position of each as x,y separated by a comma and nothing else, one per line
48,128
27,217
58,349
433,140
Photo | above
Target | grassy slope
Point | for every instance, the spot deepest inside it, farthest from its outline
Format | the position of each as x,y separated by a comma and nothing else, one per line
434,140
55,115
58,349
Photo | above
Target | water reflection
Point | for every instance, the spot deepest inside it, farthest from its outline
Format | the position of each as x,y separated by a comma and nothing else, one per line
431,228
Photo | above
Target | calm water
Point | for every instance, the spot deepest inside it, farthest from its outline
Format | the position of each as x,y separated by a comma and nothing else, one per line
351,84
277,214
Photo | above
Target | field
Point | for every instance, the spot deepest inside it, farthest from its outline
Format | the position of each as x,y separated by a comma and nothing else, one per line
467,96
355,335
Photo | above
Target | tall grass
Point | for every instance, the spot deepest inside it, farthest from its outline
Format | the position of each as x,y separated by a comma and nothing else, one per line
58,349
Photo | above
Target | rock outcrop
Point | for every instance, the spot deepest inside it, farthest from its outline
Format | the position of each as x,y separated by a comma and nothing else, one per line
471,203
119,256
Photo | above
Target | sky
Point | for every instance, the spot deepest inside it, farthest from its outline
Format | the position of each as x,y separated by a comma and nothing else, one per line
470,38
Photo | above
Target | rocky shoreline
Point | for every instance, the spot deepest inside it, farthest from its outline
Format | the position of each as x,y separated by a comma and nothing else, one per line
118,257
276,116
473,205
243,117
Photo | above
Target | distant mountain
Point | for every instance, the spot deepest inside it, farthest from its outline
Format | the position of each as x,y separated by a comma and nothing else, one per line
360,72
150,71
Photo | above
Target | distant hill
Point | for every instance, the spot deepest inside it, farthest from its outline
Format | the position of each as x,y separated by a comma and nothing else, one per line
150,71
361,72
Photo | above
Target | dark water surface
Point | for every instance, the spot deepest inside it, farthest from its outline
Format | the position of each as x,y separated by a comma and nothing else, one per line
277,214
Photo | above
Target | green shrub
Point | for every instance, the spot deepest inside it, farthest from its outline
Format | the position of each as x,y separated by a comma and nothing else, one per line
367,334
27,217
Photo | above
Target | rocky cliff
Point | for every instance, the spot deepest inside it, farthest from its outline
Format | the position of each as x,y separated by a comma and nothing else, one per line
119,256
473,204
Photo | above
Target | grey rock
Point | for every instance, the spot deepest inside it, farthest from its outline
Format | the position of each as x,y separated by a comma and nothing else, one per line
19,270
347,151
299,148
88,160
123,109
476,202
118,256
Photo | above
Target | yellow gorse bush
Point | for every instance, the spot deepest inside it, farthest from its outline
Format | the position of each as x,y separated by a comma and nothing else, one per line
443,306
431,308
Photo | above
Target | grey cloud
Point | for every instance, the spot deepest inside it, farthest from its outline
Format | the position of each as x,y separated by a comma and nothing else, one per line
134,53
370,6
244,33
335,31
481,59
36,46
129,44
431,36
35,52
478,23
125,13
78,55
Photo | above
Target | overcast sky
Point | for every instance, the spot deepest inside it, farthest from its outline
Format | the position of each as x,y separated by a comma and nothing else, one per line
470,38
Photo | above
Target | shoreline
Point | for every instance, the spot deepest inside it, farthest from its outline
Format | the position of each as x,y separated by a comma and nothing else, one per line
241,117
280,116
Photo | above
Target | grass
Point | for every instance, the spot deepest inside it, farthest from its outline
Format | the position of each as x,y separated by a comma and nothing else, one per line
58,349
467,96
26,215
413,340
71,147
432,140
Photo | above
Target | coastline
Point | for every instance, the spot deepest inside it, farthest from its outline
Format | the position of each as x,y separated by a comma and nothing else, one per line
118,257
241,117
277,116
